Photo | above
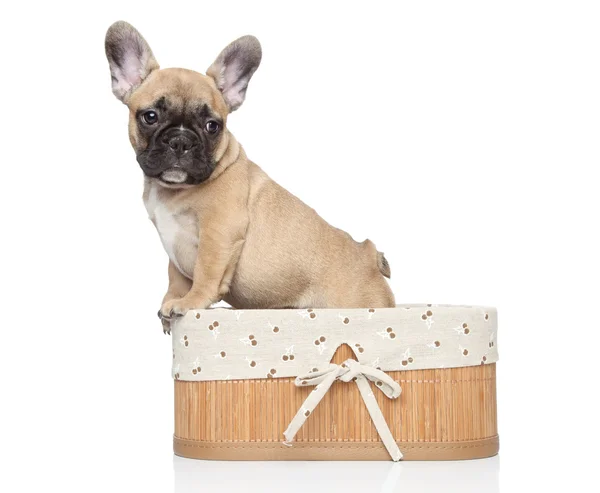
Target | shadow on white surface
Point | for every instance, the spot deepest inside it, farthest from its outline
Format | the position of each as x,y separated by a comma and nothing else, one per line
312,477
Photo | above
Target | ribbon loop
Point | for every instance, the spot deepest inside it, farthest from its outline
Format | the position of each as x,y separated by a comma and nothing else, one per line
348,371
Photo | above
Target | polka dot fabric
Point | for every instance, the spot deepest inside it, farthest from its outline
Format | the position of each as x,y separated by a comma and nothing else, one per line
224,344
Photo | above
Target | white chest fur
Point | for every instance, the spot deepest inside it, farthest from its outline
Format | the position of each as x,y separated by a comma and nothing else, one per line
178,231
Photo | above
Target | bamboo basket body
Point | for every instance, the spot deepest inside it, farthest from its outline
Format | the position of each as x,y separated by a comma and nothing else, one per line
442,414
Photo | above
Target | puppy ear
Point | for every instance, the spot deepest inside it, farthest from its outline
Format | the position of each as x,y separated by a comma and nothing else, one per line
129,57
233,69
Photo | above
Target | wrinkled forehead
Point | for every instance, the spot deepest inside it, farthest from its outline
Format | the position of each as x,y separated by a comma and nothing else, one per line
180,90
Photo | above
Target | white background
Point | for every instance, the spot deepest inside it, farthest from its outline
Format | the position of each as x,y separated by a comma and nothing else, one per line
461,137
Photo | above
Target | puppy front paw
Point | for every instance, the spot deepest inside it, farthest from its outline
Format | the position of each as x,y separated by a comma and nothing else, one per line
180,306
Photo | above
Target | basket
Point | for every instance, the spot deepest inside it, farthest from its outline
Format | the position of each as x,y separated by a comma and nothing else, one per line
415,382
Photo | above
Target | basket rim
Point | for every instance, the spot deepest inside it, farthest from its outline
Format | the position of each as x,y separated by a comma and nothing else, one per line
226,344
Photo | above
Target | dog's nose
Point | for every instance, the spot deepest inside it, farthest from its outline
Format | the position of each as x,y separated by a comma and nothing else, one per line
180,144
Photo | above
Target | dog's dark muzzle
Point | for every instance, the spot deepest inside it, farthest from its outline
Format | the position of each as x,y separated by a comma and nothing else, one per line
177,148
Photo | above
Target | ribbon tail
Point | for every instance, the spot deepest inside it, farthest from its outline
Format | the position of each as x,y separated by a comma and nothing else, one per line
311,402
378,419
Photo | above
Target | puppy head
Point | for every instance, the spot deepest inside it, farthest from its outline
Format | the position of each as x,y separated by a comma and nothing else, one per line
177,117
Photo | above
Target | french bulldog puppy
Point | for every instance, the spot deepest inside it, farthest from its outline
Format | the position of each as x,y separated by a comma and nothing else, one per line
230,231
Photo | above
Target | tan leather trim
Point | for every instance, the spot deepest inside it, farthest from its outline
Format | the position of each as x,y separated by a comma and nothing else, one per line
469,449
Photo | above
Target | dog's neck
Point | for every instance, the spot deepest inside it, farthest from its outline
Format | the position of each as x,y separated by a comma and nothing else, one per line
229,152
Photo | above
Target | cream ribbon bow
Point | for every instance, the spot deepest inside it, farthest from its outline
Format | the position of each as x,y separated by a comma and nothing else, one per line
348,371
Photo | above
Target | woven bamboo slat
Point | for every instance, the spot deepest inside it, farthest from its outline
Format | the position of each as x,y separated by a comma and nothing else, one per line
441,414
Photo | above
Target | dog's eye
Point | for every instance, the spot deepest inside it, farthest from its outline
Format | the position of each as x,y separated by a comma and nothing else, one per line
212,127
150,117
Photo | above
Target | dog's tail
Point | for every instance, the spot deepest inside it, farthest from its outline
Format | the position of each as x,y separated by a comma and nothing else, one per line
384,266
382,263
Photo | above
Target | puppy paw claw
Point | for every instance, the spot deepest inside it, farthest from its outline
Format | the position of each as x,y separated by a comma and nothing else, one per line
166,322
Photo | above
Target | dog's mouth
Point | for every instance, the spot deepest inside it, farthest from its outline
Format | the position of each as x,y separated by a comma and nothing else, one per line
174,176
